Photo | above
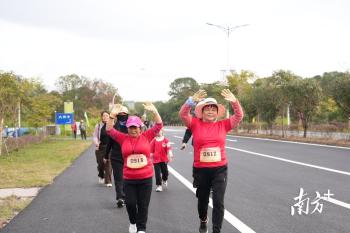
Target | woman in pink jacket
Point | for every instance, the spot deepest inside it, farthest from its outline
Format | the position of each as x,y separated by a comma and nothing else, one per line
209,139
138,167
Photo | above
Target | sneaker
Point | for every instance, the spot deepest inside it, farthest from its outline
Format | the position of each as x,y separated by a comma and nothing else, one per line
203,227
101,180
165,183
159,188
132,228
109,185
120,203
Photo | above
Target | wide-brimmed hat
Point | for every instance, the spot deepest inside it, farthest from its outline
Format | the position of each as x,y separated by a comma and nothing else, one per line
209,101
133,121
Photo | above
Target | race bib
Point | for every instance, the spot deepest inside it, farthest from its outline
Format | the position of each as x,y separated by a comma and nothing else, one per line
210,154
135,161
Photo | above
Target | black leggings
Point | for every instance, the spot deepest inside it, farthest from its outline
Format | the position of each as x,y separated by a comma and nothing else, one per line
137,198
161,171
215,179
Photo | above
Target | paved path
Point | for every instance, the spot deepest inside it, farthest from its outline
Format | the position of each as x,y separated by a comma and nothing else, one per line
264,178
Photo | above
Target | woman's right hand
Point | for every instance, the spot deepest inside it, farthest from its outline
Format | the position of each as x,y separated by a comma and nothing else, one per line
115,110
199,95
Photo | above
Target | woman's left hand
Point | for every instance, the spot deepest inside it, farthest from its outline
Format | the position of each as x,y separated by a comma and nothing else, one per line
228,95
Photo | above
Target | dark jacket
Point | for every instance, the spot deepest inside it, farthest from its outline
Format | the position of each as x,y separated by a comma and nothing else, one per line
113,148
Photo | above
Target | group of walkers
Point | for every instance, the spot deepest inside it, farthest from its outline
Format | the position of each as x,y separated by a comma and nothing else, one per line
82,128
135,153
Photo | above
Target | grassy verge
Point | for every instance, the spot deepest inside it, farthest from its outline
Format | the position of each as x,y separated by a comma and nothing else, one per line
11,206
36,165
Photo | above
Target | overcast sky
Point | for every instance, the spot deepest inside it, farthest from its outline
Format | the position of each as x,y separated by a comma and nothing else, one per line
142,46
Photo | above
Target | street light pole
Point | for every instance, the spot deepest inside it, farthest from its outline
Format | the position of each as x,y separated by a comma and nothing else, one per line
228,31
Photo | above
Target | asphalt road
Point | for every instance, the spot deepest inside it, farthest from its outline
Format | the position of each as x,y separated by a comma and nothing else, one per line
264,181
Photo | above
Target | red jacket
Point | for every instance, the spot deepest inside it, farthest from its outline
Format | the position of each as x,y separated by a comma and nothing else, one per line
136,152
209,138
160,149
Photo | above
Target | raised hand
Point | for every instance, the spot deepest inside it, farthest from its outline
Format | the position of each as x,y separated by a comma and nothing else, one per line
150,107
199,95
228,95
115,110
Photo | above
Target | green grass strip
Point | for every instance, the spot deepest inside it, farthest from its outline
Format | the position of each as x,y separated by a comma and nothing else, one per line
37,165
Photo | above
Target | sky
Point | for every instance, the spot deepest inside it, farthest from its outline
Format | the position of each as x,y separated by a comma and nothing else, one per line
142,46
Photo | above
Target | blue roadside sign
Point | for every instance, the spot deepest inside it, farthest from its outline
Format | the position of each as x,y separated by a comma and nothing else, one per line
64,118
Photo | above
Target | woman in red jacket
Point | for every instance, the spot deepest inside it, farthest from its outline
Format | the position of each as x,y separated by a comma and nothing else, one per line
138,167
209,138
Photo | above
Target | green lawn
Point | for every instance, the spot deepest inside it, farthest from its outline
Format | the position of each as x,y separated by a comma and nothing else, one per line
37,165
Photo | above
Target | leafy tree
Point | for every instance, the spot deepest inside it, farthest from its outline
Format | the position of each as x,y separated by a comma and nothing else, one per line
88,95
69,82
280,80
329,83
340,91
41,109
239,84
266,100
305,96
181,88
9,98
214,90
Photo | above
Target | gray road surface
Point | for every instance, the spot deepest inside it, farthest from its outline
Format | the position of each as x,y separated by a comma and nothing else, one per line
259,197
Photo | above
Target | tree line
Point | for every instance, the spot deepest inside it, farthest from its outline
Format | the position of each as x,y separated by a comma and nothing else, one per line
37,105
323,99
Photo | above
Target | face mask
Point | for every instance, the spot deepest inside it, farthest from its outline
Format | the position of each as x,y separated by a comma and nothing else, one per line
122,118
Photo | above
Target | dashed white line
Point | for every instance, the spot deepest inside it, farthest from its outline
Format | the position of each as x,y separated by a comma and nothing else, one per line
234,221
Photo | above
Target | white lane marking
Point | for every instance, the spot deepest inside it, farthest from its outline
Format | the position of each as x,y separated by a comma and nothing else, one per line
332,200
290,161
336,202
302,143
231,140
235,222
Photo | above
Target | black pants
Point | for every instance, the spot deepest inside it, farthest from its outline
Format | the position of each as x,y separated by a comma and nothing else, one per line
117,167
137,198
215,179
100,153
161,171
83,134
